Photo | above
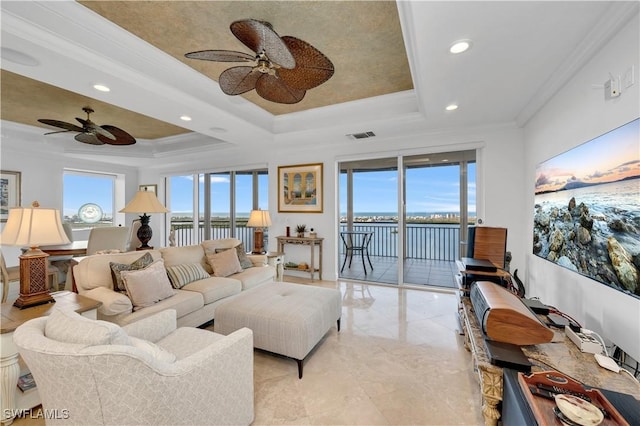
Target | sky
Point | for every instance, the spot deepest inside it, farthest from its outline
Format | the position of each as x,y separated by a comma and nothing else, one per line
429,190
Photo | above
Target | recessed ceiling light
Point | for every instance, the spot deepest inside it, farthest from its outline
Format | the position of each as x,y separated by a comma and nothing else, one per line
452,107
460,46
101,87
185,118
18,57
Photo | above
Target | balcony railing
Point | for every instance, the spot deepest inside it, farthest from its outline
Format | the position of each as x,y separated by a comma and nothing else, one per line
423,241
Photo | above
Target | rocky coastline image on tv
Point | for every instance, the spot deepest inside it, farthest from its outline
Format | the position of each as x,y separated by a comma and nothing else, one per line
587,209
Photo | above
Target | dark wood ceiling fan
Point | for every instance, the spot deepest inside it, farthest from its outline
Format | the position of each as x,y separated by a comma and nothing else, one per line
91,133
285,67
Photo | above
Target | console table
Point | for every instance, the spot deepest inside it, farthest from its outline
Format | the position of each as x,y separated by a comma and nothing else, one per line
12,398
563,356
306,241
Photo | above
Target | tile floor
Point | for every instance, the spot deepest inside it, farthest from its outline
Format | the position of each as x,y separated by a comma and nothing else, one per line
398,360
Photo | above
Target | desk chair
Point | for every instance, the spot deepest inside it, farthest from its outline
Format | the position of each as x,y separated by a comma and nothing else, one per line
109,238
62,262
358,242
12,274
134,242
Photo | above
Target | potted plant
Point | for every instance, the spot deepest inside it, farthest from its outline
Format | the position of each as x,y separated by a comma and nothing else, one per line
301,229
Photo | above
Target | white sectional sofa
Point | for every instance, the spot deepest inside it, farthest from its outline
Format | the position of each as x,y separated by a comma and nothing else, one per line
195,302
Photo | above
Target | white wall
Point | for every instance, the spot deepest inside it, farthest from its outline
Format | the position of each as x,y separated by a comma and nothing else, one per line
579,113
500,180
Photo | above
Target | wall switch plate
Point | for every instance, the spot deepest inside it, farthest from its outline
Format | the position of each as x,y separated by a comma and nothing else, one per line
629,77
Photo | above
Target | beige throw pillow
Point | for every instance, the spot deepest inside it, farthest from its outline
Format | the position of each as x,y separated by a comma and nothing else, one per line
224,263
71,327
245,262
116,268
147,286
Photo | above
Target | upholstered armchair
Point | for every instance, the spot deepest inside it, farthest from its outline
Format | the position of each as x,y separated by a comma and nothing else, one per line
149,372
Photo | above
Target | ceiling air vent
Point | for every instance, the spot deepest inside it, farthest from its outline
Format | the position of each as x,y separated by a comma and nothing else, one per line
363,135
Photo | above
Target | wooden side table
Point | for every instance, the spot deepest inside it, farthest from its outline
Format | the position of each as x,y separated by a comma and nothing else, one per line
12,398
307,241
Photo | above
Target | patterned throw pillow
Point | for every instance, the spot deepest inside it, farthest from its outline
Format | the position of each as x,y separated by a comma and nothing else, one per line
117,268
245,262
224,263
181,275
147,286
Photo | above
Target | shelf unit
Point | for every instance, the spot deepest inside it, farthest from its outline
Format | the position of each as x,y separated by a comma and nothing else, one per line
312,243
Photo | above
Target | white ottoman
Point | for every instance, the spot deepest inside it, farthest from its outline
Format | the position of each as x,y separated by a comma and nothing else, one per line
286,319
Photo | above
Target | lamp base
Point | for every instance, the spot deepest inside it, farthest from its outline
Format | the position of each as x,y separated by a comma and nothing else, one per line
144,232
258,242
34,289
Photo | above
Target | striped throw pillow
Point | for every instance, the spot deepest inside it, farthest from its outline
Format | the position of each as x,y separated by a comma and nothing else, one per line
181,275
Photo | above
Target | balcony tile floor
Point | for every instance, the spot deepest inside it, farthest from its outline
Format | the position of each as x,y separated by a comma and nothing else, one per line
436,273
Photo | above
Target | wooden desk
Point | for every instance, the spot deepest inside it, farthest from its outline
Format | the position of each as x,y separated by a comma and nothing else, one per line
307,241
562,356
76,248
11,318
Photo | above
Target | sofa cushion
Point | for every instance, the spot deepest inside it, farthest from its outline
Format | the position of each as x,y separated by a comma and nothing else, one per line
183,302
141,263
94,271
71,327
186,341
215,288
245,262
147,286
210,246
181,275
253,277
224,263
173,256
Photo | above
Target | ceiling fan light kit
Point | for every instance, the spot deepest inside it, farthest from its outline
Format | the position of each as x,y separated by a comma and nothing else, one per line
285,67
90,133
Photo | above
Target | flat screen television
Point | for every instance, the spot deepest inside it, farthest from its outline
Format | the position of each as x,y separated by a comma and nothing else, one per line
587,209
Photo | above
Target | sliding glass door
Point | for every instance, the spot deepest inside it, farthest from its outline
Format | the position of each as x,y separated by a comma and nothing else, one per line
414,210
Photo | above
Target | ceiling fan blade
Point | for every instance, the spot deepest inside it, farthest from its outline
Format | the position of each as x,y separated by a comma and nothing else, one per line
59,131
312,67
221,56
121,137
274,89
238,80
88,138
260,37
61,124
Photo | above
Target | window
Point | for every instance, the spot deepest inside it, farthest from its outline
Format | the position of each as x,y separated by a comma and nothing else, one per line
88,199
223,201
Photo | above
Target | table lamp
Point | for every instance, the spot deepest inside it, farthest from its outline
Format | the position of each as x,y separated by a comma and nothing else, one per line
144,202
33,227
259,219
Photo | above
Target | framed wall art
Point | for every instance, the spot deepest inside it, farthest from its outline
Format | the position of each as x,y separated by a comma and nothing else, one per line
300,188
150,188
9,192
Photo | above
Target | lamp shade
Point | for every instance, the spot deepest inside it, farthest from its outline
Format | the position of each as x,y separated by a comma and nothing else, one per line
33,227
259,219
144,202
